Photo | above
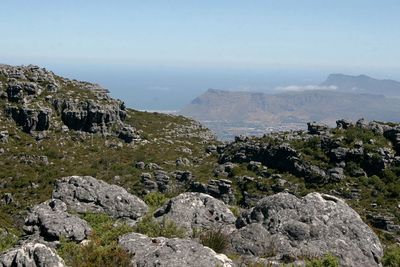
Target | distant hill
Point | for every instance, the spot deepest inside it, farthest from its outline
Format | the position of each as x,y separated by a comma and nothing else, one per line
291,107
363,84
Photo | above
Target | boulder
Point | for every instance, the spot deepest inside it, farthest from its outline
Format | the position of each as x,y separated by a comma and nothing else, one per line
172,252
336,174
30,119
317,128
128,134
4,137
51,221
220,189
196,211
31,255
344,124
306,227
87,194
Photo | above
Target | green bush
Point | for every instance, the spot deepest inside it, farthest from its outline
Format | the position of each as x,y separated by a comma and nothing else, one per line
155,199
215,239
167,228
327,261
392,256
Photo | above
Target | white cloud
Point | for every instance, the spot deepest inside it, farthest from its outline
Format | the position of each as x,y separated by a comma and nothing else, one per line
305,88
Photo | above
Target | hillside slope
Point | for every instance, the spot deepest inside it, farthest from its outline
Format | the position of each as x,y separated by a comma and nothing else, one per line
85,181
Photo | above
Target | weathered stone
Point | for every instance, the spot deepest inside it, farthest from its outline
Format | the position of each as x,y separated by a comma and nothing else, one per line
383,222
220,189
128,134
317,128
343,124
196,211
4,137
31,255
87,194
310,227
339,154
30,119
336,174
7,199
51,221
90,116
172,252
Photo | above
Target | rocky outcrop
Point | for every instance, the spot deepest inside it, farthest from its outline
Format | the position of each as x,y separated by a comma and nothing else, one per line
282,157
81,106
220,189
196,211
30,119
317,128
172,252
89,115
51,221
87,194
31,255
312,226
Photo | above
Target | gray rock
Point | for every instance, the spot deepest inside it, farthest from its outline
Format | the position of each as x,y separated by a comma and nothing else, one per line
7,199
183,176
383,222
51,221
87,194
220,189
4,137
172,252
140,165
336,174
162,180
310,227
339,154
343,124
182,162
317,128
128,134
196,211
91,116
31,255
30,119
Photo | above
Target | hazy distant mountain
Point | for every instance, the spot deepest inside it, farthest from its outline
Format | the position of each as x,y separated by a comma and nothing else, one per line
363,84
291,107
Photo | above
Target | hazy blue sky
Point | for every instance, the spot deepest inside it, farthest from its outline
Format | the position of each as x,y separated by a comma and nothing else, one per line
351,36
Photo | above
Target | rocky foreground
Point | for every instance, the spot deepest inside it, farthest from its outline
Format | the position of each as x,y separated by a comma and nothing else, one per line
281,226
85,181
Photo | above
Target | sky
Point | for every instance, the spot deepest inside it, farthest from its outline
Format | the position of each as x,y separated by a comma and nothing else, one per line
208,36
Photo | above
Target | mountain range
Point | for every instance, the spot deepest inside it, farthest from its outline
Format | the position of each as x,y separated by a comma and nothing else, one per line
351,97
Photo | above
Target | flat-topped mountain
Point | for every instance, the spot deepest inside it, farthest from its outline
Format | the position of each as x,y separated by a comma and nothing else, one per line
363,84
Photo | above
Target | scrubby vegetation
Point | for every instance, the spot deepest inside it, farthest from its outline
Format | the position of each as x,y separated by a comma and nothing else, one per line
215,239
102,247
392,256
153,228
326,261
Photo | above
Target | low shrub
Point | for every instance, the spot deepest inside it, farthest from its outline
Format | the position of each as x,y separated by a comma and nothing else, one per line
167,228
392,256
327,261
215,239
